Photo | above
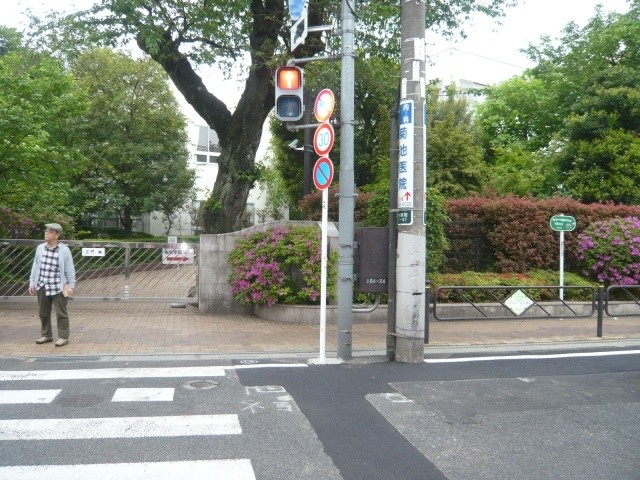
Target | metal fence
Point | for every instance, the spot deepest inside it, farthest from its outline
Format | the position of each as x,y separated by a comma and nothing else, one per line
469,247
144,272
531,302
508,302
622,300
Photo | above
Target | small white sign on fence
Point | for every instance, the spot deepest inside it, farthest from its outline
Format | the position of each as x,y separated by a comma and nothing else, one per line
519,302
178,256
93,252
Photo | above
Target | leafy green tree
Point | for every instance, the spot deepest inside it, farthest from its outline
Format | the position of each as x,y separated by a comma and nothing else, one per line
39,102
600,68
10,40
254,38
454,154
571,123
520,172
134,136
375,89
520,110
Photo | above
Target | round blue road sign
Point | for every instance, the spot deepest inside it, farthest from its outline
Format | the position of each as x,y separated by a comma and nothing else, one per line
323,173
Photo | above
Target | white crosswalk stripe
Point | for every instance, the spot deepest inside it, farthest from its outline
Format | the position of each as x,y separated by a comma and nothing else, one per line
161,426
143,395
27,396
99,373
119,427
196,470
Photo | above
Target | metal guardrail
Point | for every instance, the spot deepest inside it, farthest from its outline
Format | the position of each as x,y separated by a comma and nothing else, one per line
135,271
622,301
501,302
509,302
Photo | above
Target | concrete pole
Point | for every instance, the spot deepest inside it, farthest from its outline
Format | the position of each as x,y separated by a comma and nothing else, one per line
411,257
347,184
308,146
393,235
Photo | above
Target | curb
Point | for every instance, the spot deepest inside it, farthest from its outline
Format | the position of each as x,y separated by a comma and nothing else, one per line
361,356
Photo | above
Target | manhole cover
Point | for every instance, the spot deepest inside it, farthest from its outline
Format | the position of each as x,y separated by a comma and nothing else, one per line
200,385
80,401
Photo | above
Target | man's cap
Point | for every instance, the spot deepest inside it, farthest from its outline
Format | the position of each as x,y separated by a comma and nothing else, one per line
54,226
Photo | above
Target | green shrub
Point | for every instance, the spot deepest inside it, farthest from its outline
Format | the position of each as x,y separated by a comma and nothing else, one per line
311,205
610,251
14,224
519,232
533,278
377,215
280,265
110,233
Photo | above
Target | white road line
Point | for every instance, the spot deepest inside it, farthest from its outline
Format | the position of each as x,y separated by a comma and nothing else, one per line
269,365
27,396
119,427
240,469
143,395
94,373
532,356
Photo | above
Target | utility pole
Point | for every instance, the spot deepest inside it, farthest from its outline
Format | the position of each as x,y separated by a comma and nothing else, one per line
308,148
411,256
347,184
393,234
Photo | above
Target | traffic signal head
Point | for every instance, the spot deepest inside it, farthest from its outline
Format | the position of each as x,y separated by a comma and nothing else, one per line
289,91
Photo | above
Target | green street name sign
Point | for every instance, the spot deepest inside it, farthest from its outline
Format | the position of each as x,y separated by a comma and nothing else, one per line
405,217
562,223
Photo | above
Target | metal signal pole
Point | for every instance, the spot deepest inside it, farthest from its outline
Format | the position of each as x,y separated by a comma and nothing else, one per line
347,184
411,256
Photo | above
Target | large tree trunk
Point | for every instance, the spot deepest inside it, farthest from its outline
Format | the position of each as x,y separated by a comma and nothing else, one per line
127,221
239,133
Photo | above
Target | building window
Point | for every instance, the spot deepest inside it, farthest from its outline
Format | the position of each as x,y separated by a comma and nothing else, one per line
213,158
201,158
207,140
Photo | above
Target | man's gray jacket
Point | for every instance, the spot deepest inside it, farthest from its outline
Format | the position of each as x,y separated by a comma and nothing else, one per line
67,269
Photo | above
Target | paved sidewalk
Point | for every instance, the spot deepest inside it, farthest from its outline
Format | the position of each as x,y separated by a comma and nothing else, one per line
119,328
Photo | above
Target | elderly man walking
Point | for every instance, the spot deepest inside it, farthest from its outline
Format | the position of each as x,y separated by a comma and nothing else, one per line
53,279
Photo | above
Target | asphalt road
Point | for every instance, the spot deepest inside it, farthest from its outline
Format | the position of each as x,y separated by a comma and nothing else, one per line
528,417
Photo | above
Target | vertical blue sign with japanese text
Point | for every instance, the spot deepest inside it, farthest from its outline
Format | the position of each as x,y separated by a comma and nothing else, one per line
405,156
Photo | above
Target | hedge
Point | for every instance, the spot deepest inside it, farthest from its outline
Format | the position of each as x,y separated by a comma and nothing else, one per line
519,232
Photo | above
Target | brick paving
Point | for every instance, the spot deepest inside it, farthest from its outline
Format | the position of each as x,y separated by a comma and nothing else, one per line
120,327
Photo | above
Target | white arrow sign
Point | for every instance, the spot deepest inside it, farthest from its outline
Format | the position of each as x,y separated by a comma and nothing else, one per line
299,29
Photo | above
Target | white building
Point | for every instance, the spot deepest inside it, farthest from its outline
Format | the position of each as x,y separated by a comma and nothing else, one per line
204,150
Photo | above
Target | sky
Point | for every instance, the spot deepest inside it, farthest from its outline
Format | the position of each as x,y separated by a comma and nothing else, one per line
488,55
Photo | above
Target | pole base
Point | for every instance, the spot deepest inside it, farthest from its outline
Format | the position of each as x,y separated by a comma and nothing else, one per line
409,350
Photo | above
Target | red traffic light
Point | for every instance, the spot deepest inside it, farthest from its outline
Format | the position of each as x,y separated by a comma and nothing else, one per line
289,78
289,93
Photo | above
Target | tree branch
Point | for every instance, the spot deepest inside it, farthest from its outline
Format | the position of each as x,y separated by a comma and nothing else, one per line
190,84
